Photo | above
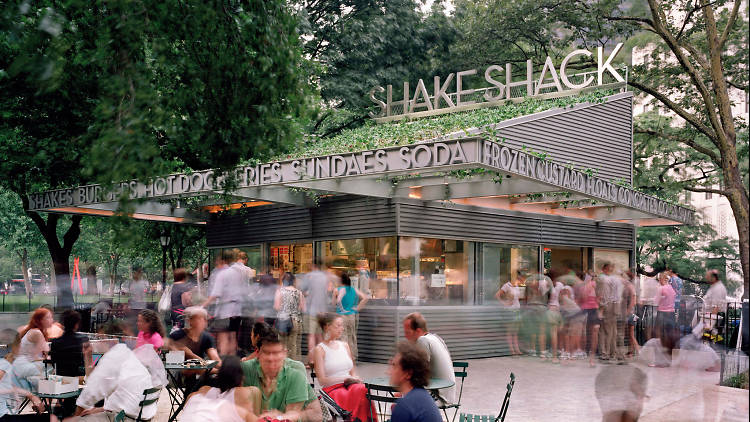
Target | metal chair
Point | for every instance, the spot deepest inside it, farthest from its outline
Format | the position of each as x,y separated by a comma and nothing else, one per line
336,411
382,397
148,401
460,373
466,417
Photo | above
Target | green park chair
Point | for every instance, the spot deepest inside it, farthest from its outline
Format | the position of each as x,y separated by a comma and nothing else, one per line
459,370
382,399
466,417
145,402
120,416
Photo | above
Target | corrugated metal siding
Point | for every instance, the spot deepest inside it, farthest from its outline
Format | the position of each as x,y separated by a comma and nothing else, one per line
452,222
598,136
469,331
342,217
376,334
567,233
508,227
261,224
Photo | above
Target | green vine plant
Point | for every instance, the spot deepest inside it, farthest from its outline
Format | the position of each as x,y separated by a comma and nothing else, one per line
311,194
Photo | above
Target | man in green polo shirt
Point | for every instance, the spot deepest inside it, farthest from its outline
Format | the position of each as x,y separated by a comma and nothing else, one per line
283,382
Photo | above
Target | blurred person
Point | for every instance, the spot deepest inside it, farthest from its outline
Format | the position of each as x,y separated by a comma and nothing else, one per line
621,391
118,379
289,302
71,356
334,367
649,300
54,330
535,314
349,301
11,395
181,296
628,312
259,330
282,382
150,330
677,284
263,298
508,296
715,299
229,290
441,364
609,301
409,372
554,320
193,339
665,322
229,401
137,288
590,306
574,319
315,288
246,319
28,363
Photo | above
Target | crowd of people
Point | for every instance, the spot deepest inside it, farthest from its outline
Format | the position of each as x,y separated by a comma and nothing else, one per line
251,325
568,315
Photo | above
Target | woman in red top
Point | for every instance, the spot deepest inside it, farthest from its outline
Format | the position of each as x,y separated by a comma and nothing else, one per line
590,306
665,318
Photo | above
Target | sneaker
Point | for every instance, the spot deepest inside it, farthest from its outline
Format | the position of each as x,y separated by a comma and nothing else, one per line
531,353
545,354
564,355
579,354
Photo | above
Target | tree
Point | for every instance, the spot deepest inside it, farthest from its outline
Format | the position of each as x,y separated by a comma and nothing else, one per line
107,91
18,235
700,54
353,45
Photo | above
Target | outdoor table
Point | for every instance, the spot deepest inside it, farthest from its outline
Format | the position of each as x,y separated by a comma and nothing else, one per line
179,390
48,398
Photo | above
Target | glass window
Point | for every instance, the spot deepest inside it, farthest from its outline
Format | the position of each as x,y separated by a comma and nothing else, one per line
619,258
435,271
499,264
295,258
370,262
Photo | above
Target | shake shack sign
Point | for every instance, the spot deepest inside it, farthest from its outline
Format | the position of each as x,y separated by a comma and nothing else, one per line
418,159
451,93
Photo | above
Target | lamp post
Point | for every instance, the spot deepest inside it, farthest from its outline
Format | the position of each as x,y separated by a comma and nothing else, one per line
164,240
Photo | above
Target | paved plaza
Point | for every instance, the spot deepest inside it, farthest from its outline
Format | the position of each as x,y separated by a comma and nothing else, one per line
565,392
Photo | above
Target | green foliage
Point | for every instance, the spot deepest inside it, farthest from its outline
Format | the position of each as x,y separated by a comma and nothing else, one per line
360,44
372,135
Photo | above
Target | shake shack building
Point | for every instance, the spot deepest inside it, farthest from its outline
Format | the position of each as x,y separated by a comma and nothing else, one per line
435,218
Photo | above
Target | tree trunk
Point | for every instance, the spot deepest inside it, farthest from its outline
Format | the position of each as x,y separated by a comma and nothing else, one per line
739,202
52,277
24,255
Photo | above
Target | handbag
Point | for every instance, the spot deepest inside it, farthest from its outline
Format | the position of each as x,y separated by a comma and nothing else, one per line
165,302
284,325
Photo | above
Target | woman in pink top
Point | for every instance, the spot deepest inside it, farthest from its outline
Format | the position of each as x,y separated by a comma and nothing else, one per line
590,306
150,330
665,318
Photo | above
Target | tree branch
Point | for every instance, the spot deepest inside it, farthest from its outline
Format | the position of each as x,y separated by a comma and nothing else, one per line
645,21
660,26
707,190
730,23
689,142
693,120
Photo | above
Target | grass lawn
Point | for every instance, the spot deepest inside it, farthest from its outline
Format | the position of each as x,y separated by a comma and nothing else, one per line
20,303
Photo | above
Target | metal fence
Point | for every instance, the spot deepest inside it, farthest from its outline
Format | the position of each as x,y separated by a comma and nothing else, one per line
518,91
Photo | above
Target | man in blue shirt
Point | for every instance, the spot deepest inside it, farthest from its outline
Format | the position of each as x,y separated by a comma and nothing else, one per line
409,371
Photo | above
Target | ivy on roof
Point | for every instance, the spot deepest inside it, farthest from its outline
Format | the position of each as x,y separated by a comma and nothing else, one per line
373,135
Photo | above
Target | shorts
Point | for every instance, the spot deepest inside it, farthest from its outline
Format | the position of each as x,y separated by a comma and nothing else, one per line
554,317
592,317
222,325
311,325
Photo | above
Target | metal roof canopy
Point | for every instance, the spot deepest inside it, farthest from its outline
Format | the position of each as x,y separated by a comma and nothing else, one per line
471,170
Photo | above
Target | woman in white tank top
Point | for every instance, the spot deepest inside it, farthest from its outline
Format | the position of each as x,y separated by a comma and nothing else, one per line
230,402
334,368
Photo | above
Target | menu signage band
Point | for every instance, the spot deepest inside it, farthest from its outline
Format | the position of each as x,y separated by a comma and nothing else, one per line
432,155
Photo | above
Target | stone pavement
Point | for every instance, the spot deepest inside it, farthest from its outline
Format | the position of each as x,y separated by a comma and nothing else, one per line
565,392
